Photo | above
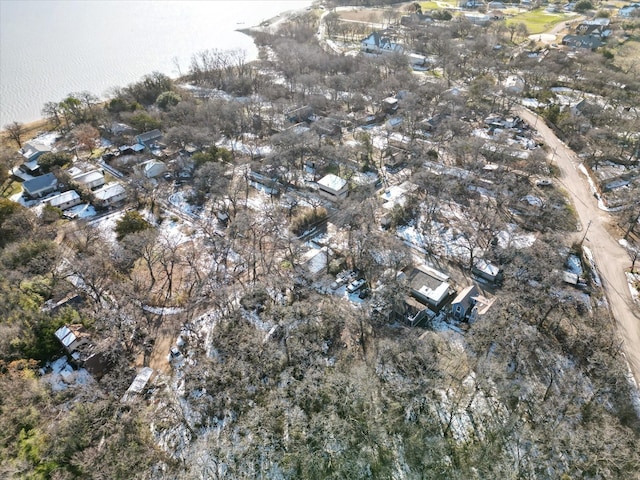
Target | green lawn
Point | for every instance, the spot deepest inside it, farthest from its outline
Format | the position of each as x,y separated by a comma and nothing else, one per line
538,21
435,5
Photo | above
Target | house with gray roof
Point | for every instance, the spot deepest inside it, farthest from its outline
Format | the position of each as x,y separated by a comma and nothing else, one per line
149,139
32,150
582,41
40,186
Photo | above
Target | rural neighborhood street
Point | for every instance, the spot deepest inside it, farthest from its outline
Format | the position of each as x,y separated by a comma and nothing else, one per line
610,257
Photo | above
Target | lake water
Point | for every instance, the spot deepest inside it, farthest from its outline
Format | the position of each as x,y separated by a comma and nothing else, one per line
51,48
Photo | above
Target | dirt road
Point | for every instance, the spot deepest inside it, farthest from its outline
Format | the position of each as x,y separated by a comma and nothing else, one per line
611,258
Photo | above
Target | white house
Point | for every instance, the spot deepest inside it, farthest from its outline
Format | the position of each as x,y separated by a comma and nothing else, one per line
65,200
152,168
333,187
376,43
110,194
429,286
91,180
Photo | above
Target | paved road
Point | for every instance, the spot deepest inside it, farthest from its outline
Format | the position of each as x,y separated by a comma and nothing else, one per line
611,258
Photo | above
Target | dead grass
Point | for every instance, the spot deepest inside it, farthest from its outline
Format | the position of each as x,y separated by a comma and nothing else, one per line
12,188
373,15
627,56
31,130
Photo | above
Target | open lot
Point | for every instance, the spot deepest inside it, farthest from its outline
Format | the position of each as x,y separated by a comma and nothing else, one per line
538,21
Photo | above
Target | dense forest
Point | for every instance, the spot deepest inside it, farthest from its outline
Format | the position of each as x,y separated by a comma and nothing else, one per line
277,377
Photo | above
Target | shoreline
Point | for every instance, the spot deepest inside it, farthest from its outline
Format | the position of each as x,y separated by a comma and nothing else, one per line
266,25
42,124
24,100
31,130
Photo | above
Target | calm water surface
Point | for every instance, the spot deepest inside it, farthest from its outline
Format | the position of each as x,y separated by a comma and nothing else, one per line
50,48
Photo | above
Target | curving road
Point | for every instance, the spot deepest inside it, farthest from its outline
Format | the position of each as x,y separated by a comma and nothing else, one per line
610,257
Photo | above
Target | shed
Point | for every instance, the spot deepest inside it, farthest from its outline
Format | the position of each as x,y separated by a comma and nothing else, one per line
72,337
390,104
487,271
315,260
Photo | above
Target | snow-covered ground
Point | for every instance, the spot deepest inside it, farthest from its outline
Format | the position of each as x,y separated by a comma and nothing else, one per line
84,210
106,225
594,190
179,201
510,237
61,375
47,139
448,240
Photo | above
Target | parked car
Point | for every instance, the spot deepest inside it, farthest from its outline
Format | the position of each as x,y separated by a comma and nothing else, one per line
345,276
544,182
355,285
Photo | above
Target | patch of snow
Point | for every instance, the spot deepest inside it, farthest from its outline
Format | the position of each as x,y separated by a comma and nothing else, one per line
594,191
507,238
532,103
47,139
106,225
481,133
178,200
162,310
633,279
594,271
62,375
84,210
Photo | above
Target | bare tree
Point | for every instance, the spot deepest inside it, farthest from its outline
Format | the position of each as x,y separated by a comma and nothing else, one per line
15,130
86,136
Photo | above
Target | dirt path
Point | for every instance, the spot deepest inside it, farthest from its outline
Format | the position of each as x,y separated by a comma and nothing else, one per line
611,258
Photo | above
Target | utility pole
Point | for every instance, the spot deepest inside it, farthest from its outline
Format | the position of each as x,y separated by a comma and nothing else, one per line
585,233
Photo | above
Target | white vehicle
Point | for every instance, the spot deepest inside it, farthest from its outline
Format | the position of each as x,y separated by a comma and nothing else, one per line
544,182
355,285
